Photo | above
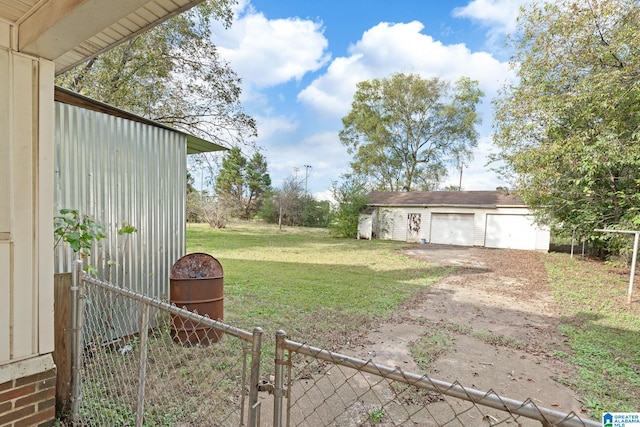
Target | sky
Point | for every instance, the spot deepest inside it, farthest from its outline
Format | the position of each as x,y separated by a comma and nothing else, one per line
300,61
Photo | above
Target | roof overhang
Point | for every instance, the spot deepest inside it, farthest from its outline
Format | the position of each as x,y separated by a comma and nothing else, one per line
430,205
195,145
446,199
69,32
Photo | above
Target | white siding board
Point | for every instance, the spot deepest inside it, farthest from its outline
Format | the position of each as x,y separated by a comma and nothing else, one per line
5,206
5,35
44,243
5,145
399,231
425,226
399,225
5,302
24,292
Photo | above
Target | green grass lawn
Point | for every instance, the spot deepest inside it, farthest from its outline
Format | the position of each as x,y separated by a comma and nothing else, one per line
603,331
323,291
319,289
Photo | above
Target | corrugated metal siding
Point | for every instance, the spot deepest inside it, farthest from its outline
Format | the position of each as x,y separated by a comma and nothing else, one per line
118,170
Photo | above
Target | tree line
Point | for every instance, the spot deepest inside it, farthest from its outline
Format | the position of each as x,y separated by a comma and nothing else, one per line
566,130
242,189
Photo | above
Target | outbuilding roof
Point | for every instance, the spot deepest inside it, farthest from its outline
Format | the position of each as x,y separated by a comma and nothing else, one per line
445,198
195,145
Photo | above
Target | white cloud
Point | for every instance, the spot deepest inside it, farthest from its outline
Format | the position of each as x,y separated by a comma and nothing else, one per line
322,151
270,126
267,52
500,15
388,48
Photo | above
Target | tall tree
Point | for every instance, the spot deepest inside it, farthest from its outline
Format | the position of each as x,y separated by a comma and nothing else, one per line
289,200
241,183
172,74
404,130
567,132
258,183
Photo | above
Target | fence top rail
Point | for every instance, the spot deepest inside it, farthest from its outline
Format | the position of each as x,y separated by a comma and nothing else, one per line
173,309
491,399
604,230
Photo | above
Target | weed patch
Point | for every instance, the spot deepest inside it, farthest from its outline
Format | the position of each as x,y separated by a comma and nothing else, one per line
603,332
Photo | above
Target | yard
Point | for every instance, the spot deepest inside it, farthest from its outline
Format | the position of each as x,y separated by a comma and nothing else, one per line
528,325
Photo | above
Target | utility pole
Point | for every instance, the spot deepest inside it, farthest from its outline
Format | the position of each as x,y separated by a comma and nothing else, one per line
306,177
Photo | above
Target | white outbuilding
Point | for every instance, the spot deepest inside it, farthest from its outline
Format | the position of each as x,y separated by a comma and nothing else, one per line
492,219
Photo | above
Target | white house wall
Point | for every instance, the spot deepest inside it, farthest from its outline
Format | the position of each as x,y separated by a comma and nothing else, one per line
543,238
118,170
26,197
391,222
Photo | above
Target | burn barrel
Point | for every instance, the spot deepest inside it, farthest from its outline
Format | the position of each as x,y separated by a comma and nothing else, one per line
196,283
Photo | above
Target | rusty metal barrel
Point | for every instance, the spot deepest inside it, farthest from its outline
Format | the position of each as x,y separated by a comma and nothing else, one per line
196,283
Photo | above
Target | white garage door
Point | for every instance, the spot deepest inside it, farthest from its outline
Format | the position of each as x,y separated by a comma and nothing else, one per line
510,232
452,229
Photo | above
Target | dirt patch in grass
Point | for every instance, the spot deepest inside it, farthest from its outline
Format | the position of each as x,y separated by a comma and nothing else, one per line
499,318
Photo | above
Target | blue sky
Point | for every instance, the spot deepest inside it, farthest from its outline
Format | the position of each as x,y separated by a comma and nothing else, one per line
300,61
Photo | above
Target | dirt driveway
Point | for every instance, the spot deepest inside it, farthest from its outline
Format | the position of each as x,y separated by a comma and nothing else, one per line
500,317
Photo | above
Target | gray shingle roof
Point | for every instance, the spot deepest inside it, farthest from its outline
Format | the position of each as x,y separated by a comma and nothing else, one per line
445,198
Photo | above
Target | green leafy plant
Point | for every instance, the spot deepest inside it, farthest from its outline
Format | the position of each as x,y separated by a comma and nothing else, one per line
126,229
79,231
376,415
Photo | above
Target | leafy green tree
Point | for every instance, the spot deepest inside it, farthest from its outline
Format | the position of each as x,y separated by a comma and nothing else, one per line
269,211
241,184
172,74
315,213
352,197
404,130
567,132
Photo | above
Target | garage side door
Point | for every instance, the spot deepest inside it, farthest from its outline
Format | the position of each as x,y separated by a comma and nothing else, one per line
510,232
452,229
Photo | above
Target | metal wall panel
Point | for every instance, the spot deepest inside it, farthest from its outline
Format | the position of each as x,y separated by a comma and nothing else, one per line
117,170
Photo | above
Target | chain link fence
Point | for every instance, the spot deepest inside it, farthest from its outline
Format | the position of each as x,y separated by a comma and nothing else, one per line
139,361
145,362
315,387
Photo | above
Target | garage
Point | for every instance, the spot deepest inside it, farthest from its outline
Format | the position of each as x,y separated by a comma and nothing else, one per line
494,219
510,232
452,229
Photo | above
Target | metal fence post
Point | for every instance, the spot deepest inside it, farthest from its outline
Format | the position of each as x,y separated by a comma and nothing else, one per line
142,371
278,389
77,308
254,406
